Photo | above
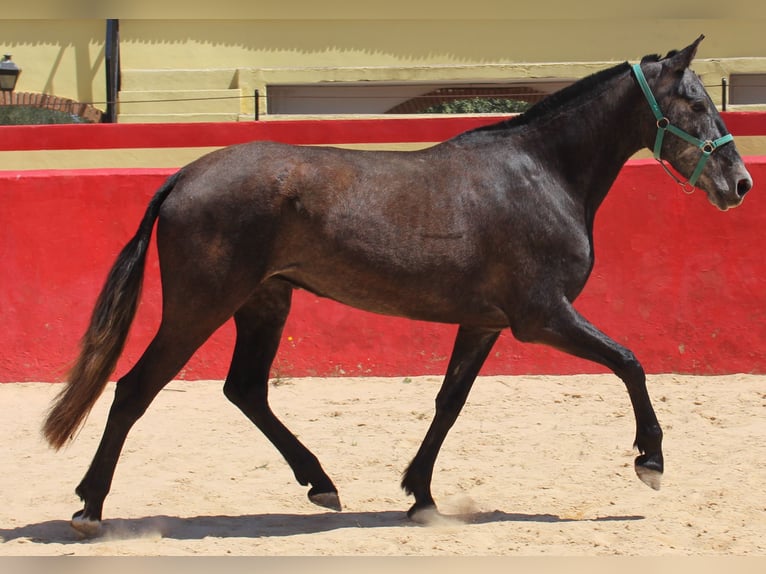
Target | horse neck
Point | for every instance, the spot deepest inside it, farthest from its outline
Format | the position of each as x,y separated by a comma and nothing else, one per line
591,140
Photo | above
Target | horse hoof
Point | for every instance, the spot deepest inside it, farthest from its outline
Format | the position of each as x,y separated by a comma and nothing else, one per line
649,476
326,500
85,526
424,515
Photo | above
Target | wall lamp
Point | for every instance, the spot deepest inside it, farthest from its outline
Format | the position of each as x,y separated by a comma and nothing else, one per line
9,74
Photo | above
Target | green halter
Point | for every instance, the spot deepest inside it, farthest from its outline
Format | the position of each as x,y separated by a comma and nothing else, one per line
663,125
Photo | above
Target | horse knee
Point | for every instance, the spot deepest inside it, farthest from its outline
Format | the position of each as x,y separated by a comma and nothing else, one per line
630,370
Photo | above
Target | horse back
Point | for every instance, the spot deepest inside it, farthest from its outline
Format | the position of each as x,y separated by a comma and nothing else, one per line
433,234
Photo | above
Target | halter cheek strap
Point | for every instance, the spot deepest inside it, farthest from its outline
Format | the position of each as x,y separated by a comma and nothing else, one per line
707,147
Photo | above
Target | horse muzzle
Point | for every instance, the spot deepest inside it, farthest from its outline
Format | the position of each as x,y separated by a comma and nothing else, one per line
734,194
729,191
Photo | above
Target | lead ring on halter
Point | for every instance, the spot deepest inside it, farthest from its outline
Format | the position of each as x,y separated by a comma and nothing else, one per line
707,147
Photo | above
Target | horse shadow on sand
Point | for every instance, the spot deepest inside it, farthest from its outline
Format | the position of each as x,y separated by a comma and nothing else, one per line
267,525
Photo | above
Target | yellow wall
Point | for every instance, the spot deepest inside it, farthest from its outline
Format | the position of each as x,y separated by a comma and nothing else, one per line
301,41
58,57
382,42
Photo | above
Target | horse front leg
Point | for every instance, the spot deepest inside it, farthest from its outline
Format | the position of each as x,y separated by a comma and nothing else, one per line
468,355
565,329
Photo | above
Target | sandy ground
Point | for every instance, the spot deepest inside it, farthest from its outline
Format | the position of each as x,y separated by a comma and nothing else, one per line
534,466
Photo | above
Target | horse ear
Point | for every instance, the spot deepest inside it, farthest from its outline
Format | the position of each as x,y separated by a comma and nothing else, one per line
681,60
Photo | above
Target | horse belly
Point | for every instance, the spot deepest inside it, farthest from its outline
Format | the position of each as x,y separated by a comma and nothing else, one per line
437,295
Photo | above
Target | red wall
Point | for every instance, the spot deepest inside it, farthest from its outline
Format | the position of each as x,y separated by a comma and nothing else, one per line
680,283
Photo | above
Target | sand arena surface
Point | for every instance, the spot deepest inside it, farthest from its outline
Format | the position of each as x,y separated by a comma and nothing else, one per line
534,466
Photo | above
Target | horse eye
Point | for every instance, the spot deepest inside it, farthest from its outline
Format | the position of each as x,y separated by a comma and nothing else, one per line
699,106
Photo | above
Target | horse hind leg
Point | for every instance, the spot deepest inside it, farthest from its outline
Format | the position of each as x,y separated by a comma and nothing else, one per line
170,349
259,328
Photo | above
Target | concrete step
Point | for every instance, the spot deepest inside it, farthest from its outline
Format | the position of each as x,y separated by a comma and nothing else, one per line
176,118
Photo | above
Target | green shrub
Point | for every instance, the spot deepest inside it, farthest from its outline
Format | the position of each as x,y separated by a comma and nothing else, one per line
479,106
29,115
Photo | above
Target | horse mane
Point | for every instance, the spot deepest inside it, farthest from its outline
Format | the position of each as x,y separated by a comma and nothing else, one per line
564,97
657,57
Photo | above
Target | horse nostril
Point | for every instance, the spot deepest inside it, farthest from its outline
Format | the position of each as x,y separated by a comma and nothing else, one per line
743,186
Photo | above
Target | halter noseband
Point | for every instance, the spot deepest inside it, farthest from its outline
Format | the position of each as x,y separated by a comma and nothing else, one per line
707,147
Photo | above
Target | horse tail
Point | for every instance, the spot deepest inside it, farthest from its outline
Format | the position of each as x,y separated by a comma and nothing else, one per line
107,332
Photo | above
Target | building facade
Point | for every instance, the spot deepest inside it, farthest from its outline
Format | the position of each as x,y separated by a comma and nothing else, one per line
302,59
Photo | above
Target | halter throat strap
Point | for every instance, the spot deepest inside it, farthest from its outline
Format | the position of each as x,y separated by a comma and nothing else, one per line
707,147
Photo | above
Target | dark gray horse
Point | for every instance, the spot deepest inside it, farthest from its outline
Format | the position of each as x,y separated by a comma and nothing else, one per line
489,230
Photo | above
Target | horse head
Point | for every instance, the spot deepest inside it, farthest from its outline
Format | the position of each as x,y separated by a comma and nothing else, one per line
687,131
